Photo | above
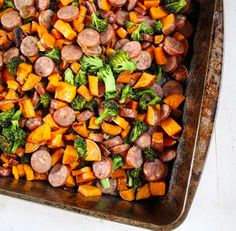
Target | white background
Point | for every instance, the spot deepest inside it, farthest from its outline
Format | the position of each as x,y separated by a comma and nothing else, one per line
214,207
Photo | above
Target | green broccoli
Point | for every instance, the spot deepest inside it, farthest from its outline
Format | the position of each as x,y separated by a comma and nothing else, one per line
5,117
138,129
28,20
91,63
98,24
78,103
5,144
81,78
13,64
92,105
174,6
120,61
117,161
69,76
106,75
75,3
105,183
126,93
52,5
80,147
157,27
137,35
54,54
134,178
150,154
110,109
129,24
45,100
8,4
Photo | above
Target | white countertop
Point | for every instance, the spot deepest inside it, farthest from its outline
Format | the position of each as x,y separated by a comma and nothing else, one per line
214,207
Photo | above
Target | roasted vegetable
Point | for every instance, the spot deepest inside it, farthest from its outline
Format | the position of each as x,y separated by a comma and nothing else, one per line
126,93
157,27
174,6
75,3
54,54
78,103
134,178
137,35
129,24
117,161
98,24
92,105
69,76
150,154
105,183
5,117
81,78
80,147
13,64
5,144
8,3
91,63
138,129
45,100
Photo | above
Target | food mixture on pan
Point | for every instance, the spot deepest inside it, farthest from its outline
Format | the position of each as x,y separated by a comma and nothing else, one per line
91,93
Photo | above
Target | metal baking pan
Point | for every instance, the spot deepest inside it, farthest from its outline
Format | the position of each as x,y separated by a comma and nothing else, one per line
202,91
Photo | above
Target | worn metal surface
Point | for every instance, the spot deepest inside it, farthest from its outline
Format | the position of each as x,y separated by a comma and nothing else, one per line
202,95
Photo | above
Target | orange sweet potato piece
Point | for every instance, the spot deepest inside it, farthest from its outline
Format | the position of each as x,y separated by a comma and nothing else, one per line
118,173
128,195
157,141
143,192
81,129
157,188
122,184
49,120
30,147
29,173
15,173
81,171
84,91
92,124
40,134
57,156
153,116
27,108
93,85
89,190
168,24
55,141
65,92
120,121
174,100
160,56
171,127
70,182
124,77
145,81
157,12
85,177
93,151
20,169
70,155
111,129
31,82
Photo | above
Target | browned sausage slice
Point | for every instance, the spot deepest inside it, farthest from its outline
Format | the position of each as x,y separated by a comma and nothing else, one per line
120,148
11,20
9,54
133,48
113,186
27,12
144,141
45,18
165,111
172,87
42,4
68,13
121,17
173,47
117,3
114,141
153,171
134,157
85,115
5,171
29,46
131,4
58,175
171,65
102,169
71,53
88,38
181,73
107,35
187,29
144,61
92,51
41,161
158,90
104,150
168,155
19,4
64,116
44,66
120,43
145,44
180,20
128,113
33,123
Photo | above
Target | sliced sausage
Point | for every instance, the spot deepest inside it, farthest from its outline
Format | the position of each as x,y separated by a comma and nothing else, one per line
88,38
134,157
35,98
42,4
117,3
33,123
90,6
120,148
158,90
18,36
172,87
114,141
68,13
41,161
181,73
11,20
147,19
187,29
113,186
27,12
44,66
144,141
131,4
128,113
133,48
58,175
13,162
171,65
102,169
180,20
144,61
173,47
71,53
5,171
104,150
165,111
96,137
84,116
148,38
168,155
121,17
45,18
107,35
120,43
145,44
64,116
154,171
97,51
29,46
9,54
19,4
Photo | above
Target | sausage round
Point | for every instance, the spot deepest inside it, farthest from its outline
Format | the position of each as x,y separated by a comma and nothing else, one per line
42,4
92,51
113,186
19,4
107,35
120,43
64,116
85,115
120,148
165,111
153,171
9,54
29,46
187,29
145,44
133,48
102,169
121,17
180,20
130,4
41,161
88,38
58,175
158,90
68,13
104,150
11,20
172,87
71,53
173,47
33,123
44,66
114,141
168,155
180,74
144,141
117,3
134,157
128,113
171,65
144,61
27,12
5,171
45,18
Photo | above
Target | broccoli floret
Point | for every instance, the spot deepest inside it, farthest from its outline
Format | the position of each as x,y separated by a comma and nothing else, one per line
98,24
137,35
174,6
92,105
54,54
105,183
91,63
75,3
157,27
13,64
120,61
106,75
110,109
8,4
80,147
28,20
117,161
45,100
129,24
127,93
150,154
69,76
25,159
81,78
78,103
5,117
5,144
138,129
134,178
